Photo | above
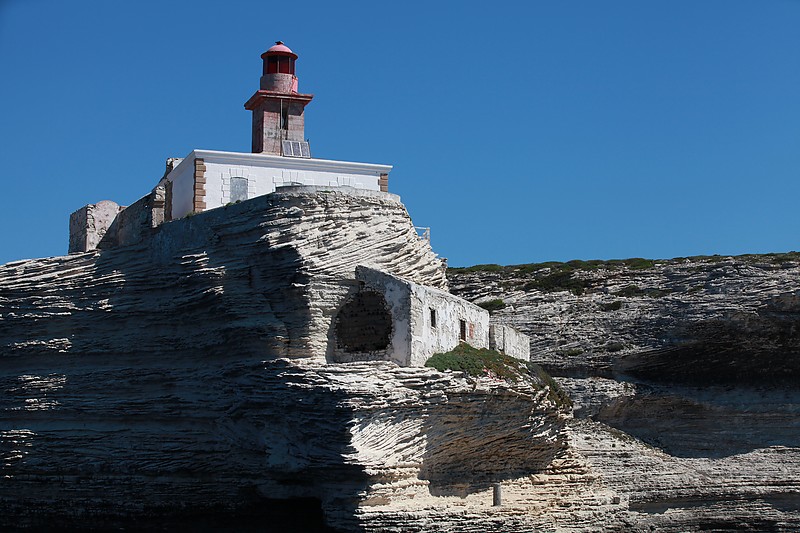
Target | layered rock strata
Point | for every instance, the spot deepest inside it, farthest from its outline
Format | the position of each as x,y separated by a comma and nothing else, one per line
183,381
232,443
265,276
182,378
684,377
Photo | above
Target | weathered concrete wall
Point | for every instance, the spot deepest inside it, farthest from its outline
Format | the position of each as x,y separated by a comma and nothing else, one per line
457,321
425,320
509,341
89,224
396,293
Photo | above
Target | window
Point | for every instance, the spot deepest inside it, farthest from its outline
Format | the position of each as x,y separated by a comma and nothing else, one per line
471,330
433,316
285,118
462,330
238,189
280,65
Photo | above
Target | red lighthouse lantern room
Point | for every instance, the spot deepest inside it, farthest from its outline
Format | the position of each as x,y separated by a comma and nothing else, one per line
278,73
278,109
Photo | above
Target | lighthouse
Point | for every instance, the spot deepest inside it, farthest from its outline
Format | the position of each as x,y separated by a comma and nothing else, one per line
278,108
209,179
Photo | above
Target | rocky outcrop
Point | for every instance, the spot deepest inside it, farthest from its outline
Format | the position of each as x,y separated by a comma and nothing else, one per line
228,443
265,276
182,381
684,377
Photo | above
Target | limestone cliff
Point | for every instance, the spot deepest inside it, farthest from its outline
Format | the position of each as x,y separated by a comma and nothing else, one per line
182,381
264,276
685,376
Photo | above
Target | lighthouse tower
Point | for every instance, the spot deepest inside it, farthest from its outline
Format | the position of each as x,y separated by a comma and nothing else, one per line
278,120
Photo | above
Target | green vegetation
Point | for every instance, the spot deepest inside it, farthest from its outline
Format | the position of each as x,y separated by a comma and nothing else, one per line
630,291
481,361
479,268
556,394
616,305
493,305
633,263
477,361
574,276
614,346
572,352
561,280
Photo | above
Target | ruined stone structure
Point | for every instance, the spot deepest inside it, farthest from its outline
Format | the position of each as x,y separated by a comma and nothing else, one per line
89,224
428,321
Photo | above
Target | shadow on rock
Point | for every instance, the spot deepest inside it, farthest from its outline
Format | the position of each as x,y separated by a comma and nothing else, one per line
709,422
475,440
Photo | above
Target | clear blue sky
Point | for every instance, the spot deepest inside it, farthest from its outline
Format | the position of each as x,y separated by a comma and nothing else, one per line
519,131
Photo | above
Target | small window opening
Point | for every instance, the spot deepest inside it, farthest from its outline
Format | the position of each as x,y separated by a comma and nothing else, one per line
433,317
285,118
462,330
279,65
471,330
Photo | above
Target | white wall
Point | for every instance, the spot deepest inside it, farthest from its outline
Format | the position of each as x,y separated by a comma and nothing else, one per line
427,340
263,173
509,341
182,178
414,339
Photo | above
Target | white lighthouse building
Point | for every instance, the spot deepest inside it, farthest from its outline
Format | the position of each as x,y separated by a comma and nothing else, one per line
207,179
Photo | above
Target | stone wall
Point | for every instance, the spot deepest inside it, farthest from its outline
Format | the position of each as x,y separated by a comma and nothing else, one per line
268,127
509,341
89,224
137,221
425,320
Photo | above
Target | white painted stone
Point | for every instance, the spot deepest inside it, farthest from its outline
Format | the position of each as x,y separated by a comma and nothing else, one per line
264,173
509,341
414,337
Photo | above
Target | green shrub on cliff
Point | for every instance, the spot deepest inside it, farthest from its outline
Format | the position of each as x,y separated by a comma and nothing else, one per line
493,305
479,268
562,280
481,362
478,362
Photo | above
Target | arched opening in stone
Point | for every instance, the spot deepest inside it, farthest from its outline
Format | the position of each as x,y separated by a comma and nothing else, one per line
364,324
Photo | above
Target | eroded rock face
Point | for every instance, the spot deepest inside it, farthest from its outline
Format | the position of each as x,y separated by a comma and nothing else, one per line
719,319
230,442
183,382
685,376
265,276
